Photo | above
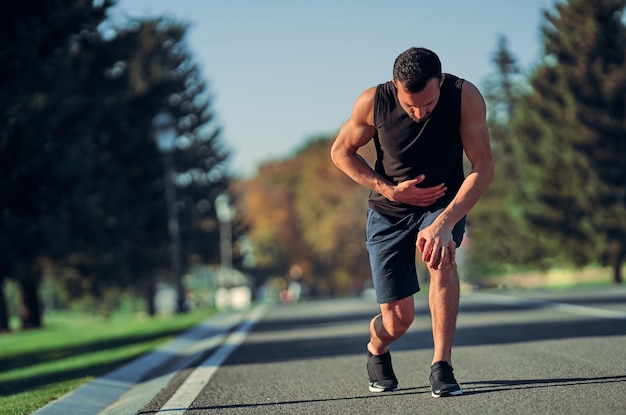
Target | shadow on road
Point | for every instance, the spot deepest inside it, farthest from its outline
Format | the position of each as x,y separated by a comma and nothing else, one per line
348,399
490,386
469,388
329,343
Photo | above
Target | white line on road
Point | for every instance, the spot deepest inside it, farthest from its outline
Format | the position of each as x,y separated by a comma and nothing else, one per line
568,308
200,377
122,390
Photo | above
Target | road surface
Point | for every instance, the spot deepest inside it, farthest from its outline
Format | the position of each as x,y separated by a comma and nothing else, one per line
524,353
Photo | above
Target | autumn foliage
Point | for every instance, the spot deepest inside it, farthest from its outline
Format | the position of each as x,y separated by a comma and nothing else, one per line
304,212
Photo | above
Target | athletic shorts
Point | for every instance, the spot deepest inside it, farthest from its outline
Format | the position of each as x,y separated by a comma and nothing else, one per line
391,246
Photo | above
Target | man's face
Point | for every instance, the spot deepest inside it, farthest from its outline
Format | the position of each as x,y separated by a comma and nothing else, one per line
419,105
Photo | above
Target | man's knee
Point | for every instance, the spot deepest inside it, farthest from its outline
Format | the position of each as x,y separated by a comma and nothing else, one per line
397,317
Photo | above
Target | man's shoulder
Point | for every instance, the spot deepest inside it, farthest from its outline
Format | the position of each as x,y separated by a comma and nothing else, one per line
384,102
385,92
453,82
386,88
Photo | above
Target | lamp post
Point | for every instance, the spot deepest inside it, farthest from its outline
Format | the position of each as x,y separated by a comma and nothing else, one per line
164,125
224,215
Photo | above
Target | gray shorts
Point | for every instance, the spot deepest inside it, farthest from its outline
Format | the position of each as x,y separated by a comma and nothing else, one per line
391,246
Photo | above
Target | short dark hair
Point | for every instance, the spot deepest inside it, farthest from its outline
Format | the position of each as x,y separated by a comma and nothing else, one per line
414,67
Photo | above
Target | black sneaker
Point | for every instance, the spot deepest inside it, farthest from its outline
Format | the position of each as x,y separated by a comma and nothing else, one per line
442,381
380,371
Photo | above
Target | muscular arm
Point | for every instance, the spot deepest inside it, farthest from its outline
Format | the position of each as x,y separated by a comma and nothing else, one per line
356,133
435,241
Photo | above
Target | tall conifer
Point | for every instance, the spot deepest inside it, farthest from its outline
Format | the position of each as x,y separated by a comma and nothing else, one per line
571,135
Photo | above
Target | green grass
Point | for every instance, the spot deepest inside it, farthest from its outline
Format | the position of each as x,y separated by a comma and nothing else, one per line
554,279
38,366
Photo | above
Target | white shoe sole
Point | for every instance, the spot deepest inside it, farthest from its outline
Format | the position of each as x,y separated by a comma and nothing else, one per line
378,390
455,393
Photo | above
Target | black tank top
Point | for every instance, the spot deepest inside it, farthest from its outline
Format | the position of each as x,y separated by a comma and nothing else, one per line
405,148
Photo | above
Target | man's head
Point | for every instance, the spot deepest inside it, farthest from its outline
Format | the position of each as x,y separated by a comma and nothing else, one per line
414,67
417,77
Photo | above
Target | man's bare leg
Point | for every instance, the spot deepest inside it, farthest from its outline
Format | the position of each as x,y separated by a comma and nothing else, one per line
388,326
392,322
443,299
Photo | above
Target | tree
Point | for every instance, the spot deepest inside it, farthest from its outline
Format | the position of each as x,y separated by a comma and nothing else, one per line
305,212
570,135
40,112
84,185
499,237
128,243
332,212
163,75
266,204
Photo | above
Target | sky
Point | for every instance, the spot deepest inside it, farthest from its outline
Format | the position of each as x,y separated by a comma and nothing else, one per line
284,71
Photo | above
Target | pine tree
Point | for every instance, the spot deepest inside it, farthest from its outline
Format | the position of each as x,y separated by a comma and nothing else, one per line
159,74
82,180
41,144
570,135
495,240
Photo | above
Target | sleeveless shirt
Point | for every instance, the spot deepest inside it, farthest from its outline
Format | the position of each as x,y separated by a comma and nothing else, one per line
406,148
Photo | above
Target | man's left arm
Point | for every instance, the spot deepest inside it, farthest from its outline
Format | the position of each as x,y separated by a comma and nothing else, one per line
435,242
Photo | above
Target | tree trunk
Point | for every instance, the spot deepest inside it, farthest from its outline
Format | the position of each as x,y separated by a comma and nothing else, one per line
4,311
30,311
150,293
617,267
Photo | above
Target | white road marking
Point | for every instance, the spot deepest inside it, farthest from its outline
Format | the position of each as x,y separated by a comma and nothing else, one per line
568,308
200,377
121,391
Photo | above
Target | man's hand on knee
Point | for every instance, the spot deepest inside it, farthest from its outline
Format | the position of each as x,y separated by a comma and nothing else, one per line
437,247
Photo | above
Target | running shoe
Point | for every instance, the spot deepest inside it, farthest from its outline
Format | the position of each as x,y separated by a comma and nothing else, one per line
442,381
380,371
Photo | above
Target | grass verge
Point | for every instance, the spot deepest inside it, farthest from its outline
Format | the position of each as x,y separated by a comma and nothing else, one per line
38,366
555,279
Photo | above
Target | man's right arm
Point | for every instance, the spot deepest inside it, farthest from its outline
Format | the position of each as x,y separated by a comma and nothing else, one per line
356,133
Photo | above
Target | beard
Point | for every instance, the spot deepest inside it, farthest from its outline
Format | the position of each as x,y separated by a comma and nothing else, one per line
418,120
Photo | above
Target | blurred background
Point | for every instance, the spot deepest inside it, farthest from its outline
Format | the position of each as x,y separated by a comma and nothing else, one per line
161,156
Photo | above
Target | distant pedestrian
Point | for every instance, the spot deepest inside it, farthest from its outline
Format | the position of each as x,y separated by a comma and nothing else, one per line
421,123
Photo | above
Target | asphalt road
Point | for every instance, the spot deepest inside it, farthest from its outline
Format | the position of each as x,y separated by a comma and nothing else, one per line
539,353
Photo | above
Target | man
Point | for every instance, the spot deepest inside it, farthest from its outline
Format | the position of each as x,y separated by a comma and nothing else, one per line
421,122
